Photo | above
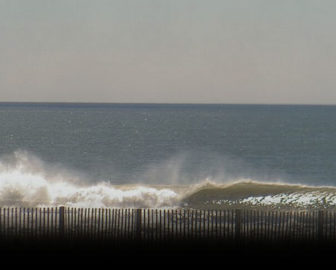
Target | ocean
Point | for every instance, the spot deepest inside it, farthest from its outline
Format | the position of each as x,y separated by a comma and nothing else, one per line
167,155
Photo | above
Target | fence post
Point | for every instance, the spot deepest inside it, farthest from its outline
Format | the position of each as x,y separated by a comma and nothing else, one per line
320,225
138,224
61,221
237,224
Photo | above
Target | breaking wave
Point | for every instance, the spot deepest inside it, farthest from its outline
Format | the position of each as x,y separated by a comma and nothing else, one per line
26,181
254,194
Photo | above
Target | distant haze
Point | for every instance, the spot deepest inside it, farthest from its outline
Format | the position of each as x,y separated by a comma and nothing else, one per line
176,51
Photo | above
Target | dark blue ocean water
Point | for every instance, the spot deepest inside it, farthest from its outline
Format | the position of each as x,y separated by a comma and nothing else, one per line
160,143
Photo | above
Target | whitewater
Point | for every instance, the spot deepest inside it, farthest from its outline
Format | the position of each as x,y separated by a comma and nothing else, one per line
26,181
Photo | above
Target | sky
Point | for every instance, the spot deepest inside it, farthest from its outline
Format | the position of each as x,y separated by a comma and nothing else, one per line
168,51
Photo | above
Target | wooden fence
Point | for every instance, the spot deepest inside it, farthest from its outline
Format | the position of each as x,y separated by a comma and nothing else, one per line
167,224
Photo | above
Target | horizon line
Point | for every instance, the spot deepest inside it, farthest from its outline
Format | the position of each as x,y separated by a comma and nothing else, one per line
163,103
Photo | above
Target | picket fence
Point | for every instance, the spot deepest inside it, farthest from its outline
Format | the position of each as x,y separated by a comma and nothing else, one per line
167,224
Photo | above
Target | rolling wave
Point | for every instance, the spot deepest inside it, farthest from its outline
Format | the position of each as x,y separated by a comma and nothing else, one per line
26,181
252,194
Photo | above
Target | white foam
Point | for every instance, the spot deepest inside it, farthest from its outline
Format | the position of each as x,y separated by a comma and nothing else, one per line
23,183
313,198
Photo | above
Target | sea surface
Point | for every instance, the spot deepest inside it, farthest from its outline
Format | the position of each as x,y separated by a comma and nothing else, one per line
167,155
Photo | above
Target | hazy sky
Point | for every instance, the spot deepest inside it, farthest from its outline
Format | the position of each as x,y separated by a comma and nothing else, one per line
186,51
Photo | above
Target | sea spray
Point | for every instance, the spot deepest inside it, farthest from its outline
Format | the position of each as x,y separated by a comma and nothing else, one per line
26,181
17,189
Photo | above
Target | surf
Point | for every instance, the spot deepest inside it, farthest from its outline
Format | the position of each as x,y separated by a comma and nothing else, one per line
28,181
